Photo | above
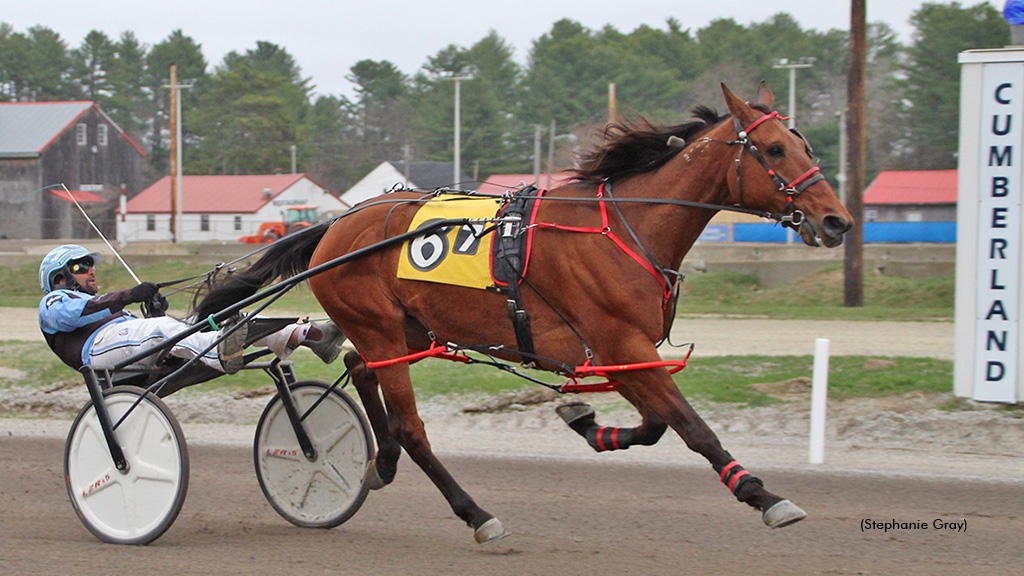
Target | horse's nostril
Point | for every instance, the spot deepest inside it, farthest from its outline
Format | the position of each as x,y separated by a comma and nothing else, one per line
836,225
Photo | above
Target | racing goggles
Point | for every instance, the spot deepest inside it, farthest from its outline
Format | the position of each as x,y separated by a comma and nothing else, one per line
80,266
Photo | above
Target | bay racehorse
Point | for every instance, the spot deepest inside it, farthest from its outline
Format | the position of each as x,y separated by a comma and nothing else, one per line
599,285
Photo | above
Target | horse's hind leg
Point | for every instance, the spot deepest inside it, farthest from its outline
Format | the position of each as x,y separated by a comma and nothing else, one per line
655,391
382,469
402,416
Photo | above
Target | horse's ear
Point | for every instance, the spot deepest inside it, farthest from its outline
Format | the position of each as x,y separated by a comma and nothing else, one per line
737,107
765,95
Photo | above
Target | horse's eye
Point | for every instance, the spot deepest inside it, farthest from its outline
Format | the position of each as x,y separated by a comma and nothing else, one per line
776,151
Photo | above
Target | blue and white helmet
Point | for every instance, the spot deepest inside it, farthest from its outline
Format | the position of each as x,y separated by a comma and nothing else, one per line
57,260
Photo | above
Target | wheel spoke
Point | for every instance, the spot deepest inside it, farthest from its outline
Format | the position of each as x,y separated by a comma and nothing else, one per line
337,478
104,480
335,436
143,470
130,501
305,492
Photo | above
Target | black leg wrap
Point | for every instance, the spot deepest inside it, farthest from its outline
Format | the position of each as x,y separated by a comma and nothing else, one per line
580,418
735,477
604,438
583,425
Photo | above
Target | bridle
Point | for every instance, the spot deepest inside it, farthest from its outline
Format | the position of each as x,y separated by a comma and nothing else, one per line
792,216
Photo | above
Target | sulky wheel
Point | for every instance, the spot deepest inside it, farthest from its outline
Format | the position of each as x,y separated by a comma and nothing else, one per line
135,506
328,490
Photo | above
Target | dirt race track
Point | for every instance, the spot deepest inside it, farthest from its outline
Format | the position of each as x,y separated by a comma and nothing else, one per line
567,518
645,511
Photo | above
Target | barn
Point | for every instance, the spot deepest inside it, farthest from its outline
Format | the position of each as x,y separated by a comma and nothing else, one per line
220,208
912,196
44,145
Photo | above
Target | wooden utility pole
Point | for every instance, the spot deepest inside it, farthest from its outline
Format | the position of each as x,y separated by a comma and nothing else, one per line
174,153
853,265
613,112
537,130
176,169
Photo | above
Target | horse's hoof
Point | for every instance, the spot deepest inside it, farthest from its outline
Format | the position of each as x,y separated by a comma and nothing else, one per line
490,531
371,478
783,513
573,411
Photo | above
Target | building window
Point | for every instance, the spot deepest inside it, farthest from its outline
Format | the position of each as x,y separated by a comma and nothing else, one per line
150,222
238,223
81,134
204,223
101,134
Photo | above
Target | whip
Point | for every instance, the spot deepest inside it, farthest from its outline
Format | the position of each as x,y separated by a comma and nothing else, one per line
104,238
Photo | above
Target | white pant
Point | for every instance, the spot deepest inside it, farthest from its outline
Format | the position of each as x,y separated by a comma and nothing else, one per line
119,341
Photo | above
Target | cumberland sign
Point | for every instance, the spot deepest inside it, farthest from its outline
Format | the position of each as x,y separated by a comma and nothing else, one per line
989,235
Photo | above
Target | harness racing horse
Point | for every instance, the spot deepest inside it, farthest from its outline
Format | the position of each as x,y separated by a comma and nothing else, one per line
602,298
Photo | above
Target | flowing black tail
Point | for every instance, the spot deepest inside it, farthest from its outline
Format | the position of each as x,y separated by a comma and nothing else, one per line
285,258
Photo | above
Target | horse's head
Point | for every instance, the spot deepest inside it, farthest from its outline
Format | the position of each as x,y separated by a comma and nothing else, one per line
776,173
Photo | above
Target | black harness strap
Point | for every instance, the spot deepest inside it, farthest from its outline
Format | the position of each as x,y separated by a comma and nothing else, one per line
510,261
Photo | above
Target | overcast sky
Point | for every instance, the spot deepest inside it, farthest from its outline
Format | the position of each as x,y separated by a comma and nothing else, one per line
326,37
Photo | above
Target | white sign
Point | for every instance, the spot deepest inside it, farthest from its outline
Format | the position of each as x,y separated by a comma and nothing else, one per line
999,226
990,181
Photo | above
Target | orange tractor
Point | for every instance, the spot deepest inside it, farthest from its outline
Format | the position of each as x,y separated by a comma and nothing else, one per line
295,218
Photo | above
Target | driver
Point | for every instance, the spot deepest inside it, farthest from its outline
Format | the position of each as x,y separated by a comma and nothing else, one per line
85,329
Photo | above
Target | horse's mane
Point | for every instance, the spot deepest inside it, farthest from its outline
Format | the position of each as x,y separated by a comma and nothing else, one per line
637,146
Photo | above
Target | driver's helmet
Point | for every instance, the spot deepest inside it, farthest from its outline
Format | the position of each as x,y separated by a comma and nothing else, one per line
57,260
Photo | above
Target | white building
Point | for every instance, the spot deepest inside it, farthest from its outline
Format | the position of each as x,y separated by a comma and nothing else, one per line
387,176
219,208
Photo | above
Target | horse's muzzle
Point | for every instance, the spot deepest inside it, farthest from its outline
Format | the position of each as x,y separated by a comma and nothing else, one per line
828,233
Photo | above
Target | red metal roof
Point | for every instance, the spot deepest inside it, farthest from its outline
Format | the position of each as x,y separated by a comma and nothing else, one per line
82,196
498,183
212,194
913,187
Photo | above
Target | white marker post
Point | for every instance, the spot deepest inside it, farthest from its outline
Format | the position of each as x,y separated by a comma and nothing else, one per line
819,395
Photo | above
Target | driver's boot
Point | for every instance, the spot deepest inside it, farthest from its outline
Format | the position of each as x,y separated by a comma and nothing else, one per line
327,344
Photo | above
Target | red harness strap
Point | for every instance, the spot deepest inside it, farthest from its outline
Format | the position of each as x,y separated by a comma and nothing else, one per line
805,176
434,350
764,119
606,230
588,370
572,385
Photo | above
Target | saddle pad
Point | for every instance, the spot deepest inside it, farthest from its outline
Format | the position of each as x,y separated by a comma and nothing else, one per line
457,255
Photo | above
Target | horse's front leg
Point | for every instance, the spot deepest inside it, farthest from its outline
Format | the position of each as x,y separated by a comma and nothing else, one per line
398,393
655,390
581,418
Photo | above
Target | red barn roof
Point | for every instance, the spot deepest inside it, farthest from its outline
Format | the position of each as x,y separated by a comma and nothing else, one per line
498,183
212,194
913,187
82,196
